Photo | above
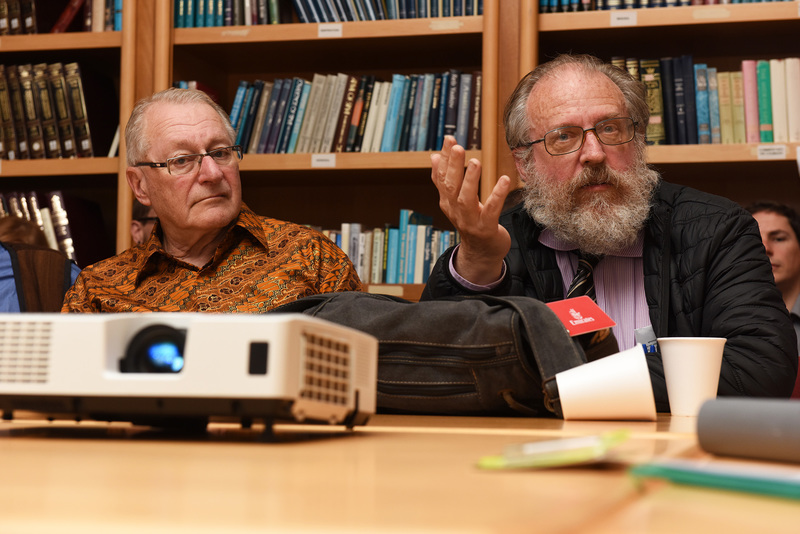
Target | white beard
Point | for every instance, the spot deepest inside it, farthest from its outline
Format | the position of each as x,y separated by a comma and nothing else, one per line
597,223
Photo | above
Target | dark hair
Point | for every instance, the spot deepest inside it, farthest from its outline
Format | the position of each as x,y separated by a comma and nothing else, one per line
17,230
779,209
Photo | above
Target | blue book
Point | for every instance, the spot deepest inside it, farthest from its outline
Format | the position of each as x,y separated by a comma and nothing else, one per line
291,115
428,258
240,131
458,8
451,102
117,15
393,256
210,13
464,100
300,9
219,13
227,13
179,18
411,9
199,13
249,114
391,9
416,115
272,109
405,215
701,103
238,102
298,120
188,14
279,118
411,253
395,104
713,106
425,112
442,111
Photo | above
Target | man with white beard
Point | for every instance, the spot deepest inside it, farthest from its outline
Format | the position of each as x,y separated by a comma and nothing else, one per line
669,260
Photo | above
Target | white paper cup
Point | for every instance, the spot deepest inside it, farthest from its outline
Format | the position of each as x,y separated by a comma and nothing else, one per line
691,369
616,387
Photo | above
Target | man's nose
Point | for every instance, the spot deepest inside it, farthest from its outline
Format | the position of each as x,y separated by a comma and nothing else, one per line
592,150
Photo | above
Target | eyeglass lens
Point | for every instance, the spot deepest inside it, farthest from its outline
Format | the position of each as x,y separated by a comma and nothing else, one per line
191,162
568,139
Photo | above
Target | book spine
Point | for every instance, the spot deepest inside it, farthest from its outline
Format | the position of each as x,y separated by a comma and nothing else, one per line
17,111
793,98
260,114
77,108
713,106
345,119
392,113
67,16
668,97
451,103
725,107
371,110
410,102
750,86
358,109
737,107
238,102
777,84
701,103
340,86
9,136
47,112
691,109
464,109
300,118
474,135
31,107
764,101
295,94
63,116
312,114
61,224
279,117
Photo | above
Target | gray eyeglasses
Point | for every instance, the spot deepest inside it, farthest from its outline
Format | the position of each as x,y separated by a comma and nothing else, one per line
568,139
189,163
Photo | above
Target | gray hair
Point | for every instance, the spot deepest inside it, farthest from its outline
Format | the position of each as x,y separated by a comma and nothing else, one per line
136,141
515,116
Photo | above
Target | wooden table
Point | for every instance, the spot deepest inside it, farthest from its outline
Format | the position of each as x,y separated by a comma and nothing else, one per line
397,474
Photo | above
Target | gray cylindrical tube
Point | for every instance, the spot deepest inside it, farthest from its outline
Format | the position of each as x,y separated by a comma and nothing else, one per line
764,429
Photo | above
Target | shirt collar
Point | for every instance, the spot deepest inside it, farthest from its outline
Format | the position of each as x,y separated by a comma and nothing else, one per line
153,248
550,240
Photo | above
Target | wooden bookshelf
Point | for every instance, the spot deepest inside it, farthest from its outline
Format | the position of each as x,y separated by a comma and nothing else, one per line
720,35
99,179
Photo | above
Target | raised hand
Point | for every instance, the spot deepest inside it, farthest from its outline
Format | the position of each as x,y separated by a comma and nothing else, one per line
484,242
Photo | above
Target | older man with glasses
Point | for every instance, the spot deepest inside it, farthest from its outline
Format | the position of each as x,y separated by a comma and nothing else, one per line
209,252
662,260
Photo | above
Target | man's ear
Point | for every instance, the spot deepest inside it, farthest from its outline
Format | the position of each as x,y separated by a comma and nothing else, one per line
138,184
519,163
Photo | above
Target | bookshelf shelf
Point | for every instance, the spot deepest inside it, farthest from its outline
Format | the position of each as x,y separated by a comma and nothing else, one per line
413,28
60,41
347,160
722,153
669,16
59,167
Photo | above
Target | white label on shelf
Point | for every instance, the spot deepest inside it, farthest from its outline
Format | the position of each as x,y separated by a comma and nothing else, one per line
771,152
329,31
623,18
235,33
323,160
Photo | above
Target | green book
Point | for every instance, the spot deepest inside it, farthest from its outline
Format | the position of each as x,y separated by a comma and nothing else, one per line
764,101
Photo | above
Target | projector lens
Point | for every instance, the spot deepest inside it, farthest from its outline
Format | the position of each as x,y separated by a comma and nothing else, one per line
155,349
165,356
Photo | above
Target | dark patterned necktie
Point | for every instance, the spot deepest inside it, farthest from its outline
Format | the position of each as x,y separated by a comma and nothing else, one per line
595,344
583,283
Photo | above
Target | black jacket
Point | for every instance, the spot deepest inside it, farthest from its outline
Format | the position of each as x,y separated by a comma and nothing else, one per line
705,274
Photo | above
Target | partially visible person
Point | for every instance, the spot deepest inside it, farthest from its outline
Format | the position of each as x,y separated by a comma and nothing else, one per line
143,218
33,276
779,225
666,260
208,251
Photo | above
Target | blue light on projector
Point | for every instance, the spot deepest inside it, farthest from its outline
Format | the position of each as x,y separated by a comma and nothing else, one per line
165,356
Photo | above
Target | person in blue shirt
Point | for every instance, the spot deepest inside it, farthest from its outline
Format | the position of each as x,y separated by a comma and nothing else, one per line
33,276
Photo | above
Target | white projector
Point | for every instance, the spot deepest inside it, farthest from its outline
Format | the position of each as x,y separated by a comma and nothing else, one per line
170,369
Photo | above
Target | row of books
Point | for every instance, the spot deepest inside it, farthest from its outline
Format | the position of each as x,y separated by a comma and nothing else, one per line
43,112
345,113
402,254
25,17
568,6
208,13
81,235
694,103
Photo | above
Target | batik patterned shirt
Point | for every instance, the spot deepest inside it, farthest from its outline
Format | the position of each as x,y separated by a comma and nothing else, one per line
261,264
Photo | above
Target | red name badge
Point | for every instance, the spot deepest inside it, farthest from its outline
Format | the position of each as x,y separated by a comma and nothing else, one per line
581,315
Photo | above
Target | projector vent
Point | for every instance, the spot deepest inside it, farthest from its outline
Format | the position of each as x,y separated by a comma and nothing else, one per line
24,351
326,369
